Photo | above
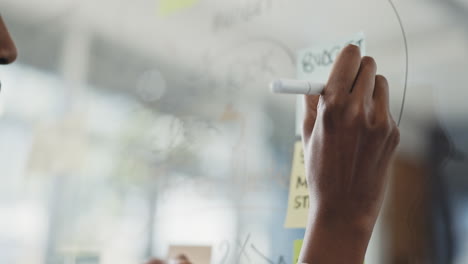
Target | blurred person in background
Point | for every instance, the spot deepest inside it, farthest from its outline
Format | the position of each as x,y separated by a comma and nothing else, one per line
181,259
155,261
8,51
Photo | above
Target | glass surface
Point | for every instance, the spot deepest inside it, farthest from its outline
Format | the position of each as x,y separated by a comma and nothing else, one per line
130,126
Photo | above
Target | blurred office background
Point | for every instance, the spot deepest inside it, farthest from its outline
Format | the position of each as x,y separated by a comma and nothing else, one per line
130,126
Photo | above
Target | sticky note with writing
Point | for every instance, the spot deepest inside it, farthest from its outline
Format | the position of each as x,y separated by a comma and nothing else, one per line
167,7
296,250
298,202
315,64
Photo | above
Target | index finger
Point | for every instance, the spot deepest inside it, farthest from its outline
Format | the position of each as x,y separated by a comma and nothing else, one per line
344,71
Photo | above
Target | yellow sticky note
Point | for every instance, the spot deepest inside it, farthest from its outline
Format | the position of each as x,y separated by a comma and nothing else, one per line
297,250
298,202
167,7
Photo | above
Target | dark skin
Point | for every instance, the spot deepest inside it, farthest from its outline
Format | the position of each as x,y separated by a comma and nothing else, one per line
349,138
155,261
8,51
180,259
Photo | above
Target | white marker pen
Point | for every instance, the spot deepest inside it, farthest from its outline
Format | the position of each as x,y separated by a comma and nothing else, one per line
285,86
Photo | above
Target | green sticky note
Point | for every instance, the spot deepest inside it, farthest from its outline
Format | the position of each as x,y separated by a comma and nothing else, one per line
167,7
297,250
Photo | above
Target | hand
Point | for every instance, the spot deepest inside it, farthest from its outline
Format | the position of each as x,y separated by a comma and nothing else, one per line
349,137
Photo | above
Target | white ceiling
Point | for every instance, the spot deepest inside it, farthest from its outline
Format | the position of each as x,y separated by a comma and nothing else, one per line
138,24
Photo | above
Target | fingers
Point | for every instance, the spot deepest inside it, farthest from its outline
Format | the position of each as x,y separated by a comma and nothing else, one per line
364,86
353,86
310,103
344,72
381,95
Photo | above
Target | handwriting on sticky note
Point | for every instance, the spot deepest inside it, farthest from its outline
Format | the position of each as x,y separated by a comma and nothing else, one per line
315,63
298,202
167,7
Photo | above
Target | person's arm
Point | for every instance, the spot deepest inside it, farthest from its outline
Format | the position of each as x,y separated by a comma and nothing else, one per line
349,137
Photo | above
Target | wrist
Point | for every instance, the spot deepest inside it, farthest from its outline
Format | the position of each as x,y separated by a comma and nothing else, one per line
332,236
346,225
348,219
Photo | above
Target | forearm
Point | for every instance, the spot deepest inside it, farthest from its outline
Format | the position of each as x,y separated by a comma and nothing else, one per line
332,239
349,137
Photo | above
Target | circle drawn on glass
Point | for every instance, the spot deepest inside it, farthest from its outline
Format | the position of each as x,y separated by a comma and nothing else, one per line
405,42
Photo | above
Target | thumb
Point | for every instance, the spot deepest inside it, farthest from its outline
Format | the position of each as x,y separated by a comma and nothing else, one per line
310,105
